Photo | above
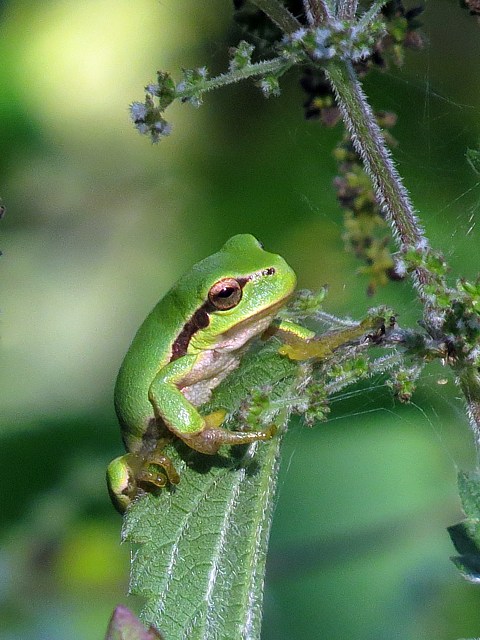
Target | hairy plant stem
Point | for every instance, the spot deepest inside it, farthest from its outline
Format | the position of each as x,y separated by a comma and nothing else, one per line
372,13
346,9
309,11
469,379
275,65
321,11
278,14
394,199
392,196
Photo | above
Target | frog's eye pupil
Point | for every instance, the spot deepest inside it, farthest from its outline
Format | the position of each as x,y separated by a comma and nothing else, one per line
225,294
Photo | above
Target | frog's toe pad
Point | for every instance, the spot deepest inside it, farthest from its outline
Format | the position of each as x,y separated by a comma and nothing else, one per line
155,478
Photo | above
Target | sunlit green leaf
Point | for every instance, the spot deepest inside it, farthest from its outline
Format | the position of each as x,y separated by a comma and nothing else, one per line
200,550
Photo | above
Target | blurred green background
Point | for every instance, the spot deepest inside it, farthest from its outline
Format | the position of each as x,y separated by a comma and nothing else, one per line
100,223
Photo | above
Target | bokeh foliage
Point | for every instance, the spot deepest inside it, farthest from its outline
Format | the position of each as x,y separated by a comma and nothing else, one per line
99,224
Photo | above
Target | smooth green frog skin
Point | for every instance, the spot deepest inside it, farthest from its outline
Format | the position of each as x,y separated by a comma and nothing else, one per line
188,344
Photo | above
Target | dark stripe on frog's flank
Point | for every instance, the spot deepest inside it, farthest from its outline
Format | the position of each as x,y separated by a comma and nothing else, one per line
199,320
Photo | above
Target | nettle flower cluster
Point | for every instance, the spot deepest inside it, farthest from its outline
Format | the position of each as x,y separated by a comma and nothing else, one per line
338,39
366,232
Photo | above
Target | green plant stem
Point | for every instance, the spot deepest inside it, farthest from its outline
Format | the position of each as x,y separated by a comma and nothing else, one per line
309,8
278,14
394,199
346,9
376,367
369,15
277,65
469,379
320,11
369,142
391,194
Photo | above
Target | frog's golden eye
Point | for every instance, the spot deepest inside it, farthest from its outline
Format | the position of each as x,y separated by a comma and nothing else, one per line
225,294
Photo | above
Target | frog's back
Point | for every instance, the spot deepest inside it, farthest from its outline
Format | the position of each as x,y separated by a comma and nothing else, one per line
166,332
151,349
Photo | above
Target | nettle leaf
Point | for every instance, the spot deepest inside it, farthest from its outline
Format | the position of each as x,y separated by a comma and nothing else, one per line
200,550
202,555
469,490
466,535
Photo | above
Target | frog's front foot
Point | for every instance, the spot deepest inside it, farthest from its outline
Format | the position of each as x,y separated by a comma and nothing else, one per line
131,472
213,436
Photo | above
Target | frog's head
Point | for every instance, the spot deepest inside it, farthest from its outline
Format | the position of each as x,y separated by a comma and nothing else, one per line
241,287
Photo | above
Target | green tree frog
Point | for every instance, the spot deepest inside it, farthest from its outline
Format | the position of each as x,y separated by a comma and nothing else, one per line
189,343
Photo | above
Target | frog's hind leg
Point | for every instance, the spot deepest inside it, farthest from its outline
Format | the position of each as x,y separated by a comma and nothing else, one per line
181,417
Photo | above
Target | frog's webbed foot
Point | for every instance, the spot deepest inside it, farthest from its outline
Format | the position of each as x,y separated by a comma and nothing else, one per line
157,458
213,436
131,472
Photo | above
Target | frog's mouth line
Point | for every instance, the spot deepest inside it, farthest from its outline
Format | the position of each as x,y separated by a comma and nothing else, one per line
271,310
260,321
